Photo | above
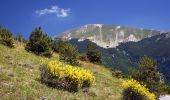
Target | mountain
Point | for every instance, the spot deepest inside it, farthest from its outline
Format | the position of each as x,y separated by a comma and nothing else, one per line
122,47
125,56
156,47
107,36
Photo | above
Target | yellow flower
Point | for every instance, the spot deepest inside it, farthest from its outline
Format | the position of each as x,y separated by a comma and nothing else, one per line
136,86
62,70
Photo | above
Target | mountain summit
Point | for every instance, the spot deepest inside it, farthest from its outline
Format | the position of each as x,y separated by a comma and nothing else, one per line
107,36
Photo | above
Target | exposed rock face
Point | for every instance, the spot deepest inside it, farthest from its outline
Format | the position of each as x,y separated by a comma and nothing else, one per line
107,36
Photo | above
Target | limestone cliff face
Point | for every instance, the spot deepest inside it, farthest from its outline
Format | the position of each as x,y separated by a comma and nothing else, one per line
107,36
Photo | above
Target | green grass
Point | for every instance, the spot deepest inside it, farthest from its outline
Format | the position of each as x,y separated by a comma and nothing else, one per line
19,79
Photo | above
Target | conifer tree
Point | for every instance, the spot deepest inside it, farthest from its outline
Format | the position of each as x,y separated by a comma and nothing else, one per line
6,37
19,37
68,53
39,43
93,54
147,74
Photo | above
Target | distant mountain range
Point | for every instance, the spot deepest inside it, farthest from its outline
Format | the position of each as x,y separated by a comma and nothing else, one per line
107,36
122,46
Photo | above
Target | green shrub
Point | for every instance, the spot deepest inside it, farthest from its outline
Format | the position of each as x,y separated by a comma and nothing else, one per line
39,43
167,89
6,37
47,53
68,53
55,46
117,73
83,57
20,38
93,54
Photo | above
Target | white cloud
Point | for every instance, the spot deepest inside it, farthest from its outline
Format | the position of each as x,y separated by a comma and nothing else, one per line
60,12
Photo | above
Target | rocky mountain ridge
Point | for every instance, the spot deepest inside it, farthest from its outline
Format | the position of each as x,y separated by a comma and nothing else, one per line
107,36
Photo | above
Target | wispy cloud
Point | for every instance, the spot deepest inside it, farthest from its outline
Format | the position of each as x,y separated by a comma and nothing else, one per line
60,12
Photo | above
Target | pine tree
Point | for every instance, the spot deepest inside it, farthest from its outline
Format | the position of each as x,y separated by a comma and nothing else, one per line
93,54
19,37
148,75
55,45
6,37
39,43
68,53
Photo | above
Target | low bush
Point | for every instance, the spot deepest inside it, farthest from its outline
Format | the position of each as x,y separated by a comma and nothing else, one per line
133,90
117,74
19,38
60,75
83,57
47,53
55,45
167,89
6,37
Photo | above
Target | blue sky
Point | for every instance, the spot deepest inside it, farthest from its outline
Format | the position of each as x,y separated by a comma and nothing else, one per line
56,16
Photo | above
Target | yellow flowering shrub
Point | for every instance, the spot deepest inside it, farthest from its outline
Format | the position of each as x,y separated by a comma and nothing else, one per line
76,76
134,90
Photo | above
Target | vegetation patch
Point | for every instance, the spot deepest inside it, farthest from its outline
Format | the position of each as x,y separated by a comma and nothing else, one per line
6,37
146,73
68,53
133,90
117,73
67,77
39,43
93,54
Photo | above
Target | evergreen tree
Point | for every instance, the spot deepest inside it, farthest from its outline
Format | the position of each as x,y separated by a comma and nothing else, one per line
6,37
148,75
93,54
19,37
68,53
55,45
39,43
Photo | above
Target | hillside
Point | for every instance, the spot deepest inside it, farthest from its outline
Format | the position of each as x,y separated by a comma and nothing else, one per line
19,79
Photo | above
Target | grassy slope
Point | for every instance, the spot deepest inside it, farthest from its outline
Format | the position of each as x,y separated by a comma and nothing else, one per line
19,79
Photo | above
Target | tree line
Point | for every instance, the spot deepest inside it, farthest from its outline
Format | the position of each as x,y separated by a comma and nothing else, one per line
41,44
